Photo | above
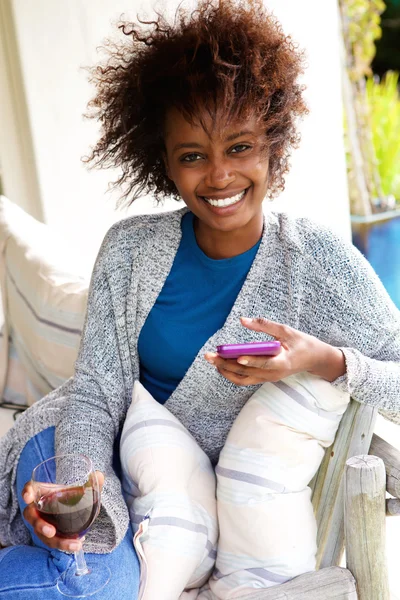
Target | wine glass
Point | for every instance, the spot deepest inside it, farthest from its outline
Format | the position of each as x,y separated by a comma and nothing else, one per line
67,495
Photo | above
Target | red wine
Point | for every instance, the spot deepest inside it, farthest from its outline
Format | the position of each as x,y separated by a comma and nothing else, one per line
70,510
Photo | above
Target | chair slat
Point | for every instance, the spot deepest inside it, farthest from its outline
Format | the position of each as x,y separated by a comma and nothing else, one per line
391,459
327,584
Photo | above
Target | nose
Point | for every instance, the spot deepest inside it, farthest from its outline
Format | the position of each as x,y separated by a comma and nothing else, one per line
219,174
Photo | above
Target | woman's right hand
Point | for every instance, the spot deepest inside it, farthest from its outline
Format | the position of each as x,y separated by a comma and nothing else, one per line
44,531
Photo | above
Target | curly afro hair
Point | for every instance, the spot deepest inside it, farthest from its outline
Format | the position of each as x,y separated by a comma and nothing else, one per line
226,53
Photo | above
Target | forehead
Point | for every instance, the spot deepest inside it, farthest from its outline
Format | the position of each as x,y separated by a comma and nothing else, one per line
213,128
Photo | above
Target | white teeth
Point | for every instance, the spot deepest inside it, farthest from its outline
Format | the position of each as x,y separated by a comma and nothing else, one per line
226,201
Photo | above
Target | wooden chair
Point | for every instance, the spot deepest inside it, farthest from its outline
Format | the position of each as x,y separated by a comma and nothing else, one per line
349,494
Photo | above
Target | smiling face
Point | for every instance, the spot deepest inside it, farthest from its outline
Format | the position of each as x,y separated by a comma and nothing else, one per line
222,177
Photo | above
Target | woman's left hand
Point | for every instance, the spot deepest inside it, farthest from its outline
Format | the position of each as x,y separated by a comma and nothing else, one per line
299,352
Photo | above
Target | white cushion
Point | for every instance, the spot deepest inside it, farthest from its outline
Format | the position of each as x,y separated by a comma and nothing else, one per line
169,485
266,520
44,296
18,388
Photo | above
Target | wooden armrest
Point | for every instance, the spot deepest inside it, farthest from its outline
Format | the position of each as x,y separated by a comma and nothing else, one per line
391,458
392,507
331,583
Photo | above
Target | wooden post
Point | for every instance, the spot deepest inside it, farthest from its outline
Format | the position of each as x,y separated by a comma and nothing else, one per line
365,485
353,438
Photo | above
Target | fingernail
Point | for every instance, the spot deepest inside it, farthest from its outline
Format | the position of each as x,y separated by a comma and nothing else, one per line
47,531
210,357
74,547
246,320
27,498
243,361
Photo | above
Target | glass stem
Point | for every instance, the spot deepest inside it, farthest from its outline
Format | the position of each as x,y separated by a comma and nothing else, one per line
81,566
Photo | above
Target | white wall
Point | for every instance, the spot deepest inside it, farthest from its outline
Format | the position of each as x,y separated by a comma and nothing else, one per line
19,175
55,39
317,183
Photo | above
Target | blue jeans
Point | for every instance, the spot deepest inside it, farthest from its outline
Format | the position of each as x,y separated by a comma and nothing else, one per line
31,572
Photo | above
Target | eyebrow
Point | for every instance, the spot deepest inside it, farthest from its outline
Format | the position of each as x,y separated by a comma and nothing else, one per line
234,136
230,138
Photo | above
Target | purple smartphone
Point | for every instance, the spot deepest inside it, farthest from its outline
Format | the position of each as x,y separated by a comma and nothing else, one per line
249,349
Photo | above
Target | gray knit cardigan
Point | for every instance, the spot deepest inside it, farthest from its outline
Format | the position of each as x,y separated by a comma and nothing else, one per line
303,275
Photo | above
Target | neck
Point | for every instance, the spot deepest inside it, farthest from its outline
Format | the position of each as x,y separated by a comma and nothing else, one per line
218,244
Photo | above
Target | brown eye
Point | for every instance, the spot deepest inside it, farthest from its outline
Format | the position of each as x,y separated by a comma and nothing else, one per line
239,148
190,157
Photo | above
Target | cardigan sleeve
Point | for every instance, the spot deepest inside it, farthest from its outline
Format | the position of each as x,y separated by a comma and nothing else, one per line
367,323
96,404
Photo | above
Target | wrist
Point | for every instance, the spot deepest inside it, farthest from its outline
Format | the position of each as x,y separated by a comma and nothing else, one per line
330,363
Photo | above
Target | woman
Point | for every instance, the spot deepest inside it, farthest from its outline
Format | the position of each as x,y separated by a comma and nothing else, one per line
204,110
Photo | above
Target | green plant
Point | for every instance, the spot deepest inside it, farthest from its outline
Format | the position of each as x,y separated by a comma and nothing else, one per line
360,20
362,27
383,101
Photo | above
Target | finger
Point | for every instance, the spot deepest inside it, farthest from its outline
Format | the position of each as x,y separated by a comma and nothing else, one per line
265,377
272,373
27,493
57,543
260,362
66,545
230,364
47,533
276,330
239,380
40,526
243,365
252,375
210,357
100,479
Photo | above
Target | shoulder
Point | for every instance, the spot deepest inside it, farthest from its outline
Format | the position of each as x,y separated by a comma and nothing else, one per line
139,227
304,234
330,262
127,237
316,243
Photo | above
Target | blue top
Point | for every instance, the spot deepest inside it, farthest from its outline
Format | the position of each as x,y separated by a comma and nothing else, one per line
194,303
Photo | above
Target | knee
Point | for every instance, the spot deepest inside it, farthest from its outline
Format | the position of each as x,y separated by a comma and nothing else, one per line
125,571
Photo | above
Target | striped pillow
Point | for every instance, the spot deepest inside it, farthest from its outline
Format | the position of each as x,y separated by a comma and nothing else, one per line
44,297
266,520
17,387
169,485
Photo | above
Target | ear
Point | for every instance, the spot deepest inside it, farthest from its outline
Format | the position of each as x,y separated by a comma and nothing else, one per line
166,165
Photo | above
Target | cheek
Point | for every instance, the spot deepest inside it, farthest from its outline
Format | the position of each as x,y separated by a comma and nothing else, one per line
259,176
256,169
262,173
185,179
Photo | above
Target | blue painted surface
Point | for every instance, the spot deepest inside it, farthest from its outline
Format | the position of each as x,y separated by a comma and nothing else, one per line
380,244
